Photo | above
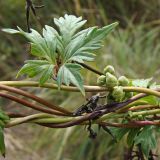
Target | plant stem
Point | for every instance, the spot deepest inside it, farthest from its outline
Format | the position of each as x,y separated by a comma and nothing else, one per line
141,107
75,89
90,68
15,115
18,121
30,105
145,113
33,97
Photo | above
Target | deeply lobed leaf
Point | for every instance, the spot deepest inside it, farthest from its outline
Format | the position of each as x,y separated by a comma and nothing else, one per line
69,73
61,49
37,67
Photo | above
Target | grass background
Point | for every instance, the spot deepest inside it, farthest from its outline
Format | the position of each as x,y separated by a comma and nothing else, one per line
133,49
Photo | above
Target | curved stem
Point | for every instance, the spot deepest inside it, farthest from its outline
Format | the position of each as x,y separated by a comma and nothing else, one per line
133,124
18,121
90,68
75,89
15,115
30,105
54,122
141,107
145,113
33,97
143,90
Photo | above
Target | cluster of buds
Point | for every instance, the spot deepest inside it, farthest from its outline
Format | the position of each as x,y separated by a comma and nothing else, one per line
114,84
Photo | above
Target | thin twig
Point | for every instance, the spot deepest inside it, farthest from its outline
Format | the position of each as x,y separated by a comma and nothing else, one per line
90,68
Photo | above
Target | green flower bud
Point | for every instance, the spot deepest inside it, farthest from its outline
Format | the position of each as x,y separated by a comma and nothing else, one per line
101,80
123,81
118,93
109,69
111,80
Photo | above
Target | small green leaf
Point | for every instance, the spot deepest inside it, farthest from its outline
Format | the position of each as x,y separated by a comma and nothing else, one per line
32,66
119,133
131,135
142,82
11,31
87,41
2,144
50,35
37,50
147,140
35,67
69,73
68,25
47,74
3,116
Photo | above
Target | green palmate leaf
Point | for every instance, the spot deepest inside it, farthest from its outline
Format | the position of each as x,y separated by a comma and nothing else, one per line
69,73
119,133
142,82
87,41
43,47
131,135
147,140
35,67
2,144
68,25
61,48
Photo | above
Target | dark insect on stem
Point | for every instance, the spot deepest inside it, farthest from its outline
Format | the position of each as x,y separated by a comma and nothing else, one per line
89,106
30,6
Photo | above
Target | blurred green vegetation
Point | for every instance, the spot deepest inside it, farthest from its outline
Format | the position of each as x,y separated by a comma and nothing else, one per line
133,48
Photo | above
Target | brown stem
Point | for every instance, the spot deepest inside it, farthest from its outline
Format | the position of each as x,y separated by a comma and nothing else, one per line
30,105
73,123
33,97
15,115
90,68
133,124
141,107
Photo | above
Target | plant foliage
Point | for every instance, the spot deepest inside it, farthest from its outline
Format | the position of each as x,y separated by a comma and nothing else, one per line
57,52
